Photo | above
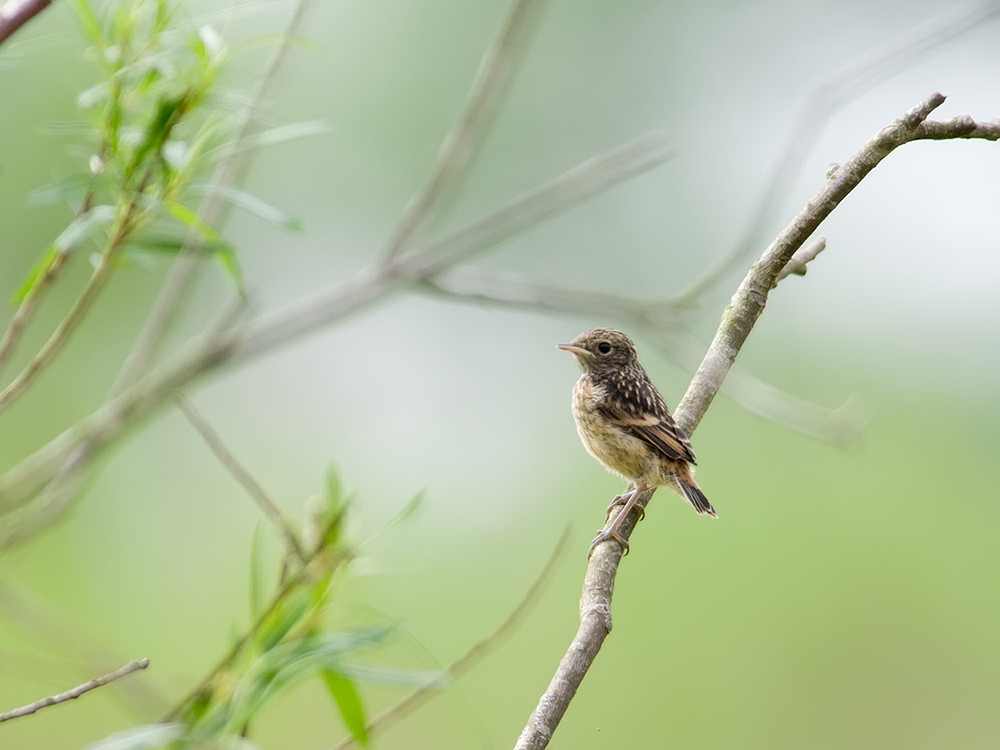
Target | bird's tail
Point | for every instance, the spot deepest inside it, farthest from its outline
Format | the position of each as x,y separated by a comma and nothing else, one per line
696,497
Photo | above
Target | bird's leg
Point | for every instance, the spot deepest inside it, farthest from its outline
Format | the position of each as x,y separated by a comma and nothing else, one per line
612,532
621,500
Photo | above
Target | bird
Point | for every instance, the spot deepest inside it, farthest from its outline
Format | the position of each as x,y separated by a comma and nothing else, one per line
625,424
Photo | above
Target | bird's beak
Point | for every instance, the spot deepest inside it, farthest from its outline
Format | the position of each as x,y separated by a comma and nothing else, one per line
577,350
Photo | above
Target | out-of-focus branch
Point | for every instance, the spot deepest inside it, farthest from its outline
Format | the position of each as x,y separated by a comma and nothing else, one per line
210,211
737,322
15,13
843,85
470,658
238,344
241,475
460,143
69,695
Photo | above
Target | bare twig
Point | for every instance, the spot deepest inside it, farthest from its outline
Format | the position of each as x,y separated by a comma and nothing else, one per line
460,666
15,13
843,85
459,144
737,322
69,695
804,255
210,211
241,475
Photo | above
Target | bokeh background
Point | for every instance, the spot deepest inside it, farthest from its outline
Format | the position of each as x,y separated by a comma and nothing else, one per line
848,596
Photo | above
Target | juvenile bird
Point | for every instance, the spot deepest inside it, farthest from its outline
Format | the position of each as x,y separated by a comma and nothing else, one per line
625,424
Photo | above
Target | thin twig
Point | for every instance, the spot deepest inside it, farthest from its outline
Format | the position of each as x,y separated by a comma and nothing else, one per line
178,277
842,86
459,145
737,322
69,695
15,13
241,475
466,661
798,263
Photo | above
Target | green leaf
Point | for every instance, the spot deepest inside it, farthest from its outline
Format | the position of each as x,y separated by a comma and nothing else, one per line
61,189
232,268
404,513
256,575
140,738
334,489
256,206
35,275
90,25
81,227
349,703
276,135
97,93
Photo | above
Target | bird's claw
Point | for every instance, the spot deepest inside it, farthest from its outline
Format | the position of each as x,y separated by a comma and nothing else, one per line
603,536
622,500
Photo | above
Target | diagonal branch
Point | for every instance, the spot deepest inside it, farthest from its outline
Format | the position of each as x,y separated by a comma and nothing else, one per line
241,475
737,322
69,695
459,144
845,84
15,13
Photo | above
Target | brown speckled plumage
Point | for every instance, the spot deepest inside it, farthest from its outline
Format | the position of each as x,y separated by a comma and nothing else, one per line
625,424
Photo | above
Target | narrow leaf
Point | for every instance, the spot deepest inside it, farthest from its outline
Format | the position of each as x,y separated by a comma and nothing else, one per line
256,206
89,21
345,695
60,189
81,227
35,275
140,738
280,134
256,575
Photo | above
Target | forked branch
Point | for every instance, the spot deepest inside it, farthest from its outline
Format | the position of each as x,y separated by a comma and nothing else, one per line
737,322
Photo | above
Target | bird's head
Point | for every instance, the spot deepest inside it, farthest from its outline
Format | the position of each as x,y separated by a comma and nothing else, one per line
602,350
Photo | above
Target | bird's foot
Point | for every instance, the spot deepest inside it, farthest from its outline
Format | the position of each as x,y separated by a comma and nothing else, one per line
604,536
622,499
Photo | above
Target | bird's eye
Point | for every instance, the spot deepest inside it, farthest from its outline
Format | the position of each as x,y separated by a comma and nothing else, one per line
604,347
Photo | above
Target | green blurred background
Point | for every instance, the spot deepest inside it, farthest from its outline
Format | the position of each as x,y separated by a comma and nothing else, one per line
848,595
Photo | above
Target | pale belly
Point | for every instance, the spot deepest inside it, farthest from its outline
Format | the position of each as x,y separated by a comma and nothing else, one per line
621,453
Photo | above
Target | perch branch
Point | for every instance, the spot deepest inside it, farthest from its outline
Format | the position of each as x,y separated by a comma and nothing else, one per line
69,695
737,322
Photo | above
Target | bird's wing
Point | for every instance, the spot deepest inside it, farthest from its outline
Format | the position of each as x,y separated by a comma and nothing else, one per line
643,412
